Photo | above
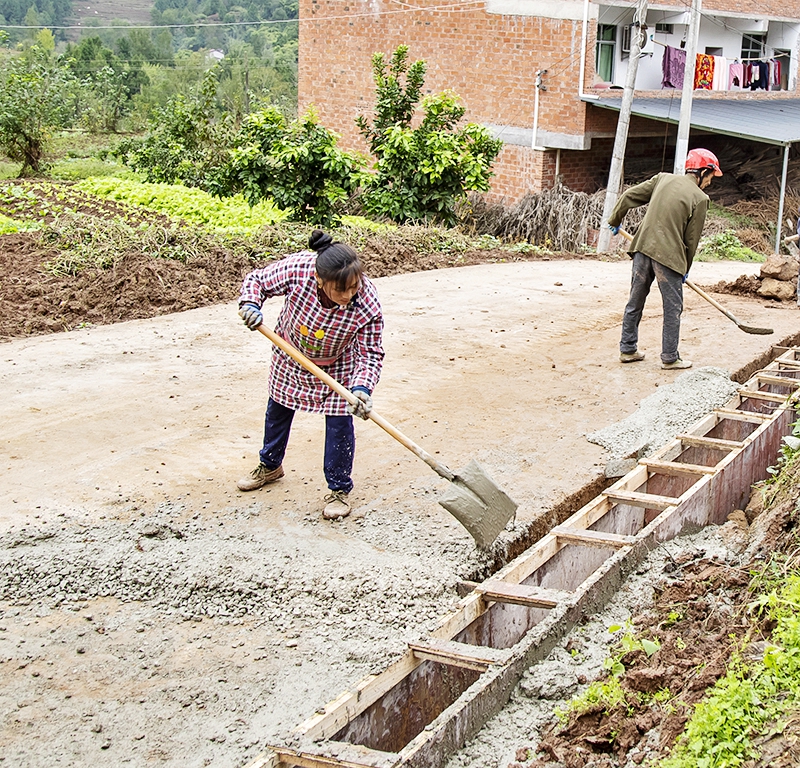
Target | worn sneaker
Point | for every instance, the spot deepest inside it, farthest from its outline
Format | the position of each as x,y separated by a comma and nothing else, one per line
259,477
631,357
337,505
676,364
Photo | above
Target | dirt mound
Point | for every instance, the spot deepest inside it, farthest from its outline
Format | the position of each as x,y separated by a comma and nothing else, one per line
138,285
744,285
695,645
135,286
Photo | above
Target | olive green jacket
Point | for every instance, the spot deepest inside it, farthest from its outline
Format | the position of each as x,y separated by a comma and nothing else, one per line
674,220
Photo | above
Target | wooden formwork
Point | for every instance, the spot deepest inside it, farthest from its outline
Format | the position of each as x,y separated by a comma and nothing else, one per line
445,687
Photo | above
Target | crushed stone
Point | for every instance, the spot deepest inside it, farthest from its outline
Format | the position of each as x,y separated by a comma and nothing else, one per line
666,413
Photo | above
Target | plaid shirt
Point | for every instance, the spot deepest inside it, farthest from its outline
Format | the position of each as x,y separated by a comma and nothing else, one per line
345,341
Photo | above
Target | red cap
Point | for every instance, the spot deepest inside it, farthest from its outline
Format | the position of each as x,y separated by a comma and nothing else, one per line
698,159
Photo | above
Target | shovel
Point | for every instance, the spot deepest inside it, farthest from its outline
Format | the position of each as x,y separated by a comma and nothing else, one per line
714,303
473,498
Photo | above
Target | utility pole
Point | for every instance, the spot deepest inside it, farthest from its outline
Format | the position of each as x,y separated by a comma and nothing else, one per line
540,86
621,139
682,143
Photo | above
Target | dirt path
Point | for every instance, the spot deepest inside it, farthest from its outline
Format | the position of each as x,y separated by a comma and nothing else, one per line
222,619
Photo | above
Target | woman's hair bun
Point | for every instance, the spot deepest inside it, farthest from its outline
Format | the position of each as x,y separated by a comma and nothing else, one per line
319,240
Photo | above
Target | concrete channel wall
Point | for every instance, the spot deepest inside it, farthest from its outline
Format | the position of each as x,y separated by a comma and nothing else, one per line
443,690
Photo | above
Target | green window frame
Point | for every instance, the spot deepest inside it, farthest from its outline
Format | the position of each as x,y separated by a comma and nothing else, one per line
605,52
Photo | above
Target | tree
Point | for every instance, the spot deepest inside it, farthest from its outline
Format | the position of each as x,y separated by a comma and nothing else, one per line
32,105
421,173
111,82
187,142
297,164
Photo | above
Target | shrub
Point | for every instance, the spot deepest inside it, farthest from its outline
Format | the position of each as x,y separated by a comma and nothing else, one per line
421,173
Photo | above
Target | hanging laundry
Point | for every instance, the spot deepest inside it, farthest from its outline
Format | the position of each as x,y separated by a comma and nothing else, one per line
704,72
673,66
775,74
735,75
720,81
760,76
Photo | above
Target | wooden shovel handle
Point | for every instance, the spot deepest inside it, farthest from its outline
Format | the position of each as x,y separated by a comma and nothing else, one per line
713,302
342,391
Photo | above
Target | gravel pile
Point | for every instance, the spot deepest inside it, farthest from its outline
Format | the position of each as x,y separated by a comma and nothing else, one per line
667,412
192,570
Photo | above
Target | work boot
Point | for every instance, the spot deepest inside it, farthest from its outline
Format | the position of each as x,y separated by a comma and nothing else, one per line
676,364
259,477
337,505
631,357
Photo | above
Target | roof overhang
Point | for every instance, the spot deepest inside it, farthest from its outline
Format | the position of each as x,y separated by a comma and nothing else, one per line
772,121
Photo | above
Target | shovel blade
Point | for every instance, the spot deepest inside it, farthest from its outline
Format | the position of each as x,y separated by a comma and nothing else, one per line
756,331
479,504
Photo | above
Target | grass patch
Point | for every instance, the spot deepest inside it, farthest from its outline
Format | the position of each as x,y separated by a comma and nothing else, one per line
759,693
737,220
726,246
89,242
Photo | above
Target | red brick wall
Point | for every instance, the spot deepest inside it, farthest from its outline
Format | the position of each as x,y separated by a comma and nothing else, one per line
489,60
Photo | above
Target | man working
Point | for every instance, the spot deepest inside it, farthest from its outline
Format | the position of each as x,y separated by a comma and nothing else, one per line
663,249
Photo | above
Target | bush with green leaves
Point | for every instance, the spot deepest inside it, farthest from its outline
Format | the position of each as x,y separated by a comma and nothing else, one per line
32,104
187,142
421,172
726,246
298,164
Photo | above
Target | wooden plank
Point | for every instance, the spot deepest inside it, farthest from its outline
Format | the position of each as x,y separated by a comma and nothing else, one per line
735,414
710,442
292,759
780,381
525,564
471,607
792,364
588,514
646,500
265,760
353,702
676,468
594,538
475,657
757,394
520,594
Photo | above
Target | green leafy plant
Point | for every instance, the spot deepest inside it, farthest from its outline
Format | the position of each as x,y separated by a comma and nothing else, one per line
187,142
232,214
298,164
422,172
726,246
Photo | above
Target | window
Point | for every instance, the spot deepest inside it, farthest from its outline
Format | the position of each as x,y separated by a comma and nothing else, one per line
664,29
753,44
604,55
627,37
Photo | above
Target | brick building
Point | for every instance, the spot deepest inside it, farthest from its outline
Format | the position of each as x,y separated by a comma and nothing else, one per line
489,52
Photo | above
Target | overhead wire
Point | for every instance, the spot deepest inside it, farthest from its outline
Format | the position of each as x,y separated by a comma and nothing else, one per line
455,7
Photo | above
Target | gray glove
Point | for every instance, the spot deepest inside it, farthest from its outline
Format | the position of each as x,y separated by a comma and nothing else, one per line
251,315
363,406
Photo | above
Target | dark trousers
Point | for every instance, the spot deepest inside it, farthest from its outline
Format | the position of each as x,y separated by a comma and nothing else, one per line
340,444
670,283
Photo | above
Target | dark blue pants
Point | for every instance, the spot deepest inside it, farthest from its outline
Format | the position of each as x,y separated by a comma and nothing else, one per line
340,444
670,283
